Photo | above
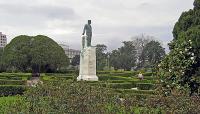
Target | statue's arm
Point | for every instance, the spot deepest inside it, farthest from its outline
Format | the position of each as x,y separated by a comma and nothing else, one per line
84,30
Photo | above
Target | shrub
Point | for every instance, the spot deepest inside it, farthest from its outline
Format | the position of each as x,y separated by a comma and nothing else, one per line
115,85
130,91
134,81
65,97
7,90
12,82
148,74
103,78
5,102
58,74
145,86
56,77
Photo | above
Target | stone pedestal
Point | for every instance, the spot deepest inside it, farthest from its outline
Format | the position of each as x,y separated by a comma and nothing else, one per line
87,69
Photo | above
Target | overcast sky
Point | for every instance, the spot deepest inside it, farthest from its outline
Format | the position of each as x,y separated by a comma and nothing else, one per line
113,21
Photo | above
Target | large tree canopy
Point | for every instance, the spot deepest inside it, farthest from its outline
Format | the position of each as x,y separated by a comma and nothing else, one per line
101,56
151,55
75,60
124,57
181,66
38,53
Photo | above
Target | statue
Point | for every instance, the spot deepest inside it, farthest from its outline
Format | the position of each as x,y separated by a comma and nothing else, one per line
87,70
88,30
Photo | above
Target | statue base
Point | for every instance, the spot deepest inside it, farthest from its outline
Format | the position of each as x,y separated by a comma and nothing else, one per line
87,78
87,69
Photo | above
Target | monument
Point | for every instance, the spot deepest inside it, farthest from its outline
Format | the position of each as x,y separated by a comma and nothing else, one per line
87,70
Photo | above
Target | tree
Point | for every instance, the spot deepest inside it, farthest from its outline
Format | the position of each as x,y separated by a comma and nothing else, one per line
101,56
151,55
181,66
1,54
115,59
124,57
75,60
38,53
140,42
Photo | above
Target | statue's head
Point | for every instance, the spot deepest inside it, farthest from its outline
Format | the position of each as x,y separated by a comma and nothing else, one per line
89,22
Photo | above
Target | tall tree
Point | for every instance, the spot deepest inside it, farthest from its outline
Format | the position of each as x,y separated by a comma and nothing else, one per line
101,56
124,57
75,60
115,59
39,53
1,54
181,65
151,55
140,42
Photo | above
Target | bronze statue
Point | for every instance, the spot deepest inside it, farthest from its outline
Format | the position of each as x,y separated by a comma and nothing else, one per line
88,30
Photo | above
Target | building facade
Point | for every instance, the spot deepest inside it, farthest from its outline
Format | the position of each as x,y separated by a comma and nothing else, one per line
3,40
71,53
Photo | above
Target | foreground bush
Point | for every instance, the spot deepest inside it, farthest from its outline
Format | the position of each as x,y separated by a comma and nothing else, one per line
68,97
65,97
6,90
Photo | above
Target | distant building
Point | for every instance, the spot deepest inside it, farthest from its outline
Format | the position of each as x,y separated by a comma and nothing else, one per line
65,48
3,40
71,53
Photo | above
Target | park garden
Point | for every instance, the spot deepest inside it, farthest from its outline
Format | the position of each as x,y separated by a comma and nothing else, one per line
170,84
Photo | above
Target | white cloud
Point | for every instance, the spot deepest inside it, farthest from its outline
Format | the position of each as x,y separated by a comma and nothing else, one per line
113,21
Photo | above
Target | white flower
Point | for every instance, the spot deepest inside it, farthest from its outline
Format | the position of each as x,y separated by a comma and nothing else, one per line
168,86
170,70
186,49
190,47
192,54
161,80
180,52
190,41
183,72
192,58
159,65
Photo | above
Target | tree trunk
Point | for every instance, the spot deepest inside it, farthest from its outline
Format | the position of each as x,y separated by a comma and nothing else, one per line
35,71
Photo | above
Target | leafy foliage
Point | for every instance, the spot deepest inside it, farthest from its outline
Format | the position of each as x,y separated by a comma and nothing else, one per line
1,54
75,60
38,53
180,68
101,56
81,98
124,57
151,55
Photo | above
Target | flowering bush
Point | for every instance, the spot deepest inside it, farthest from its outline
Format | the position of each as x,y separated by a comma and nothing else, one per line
179,69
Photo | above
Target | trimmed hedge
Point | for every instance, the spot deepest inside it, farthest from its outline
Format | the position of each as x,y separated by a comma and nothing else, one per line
123,74
130,91
149,74
145,86
57,74
15,76
12,82
56,77
103,78
8,90
131,81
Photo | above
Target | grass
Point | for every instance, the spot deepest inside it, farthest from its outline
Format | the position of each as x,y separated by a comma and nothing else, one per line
6,101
